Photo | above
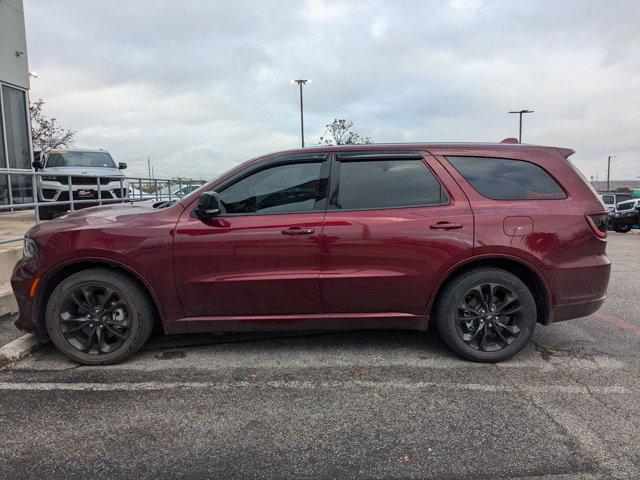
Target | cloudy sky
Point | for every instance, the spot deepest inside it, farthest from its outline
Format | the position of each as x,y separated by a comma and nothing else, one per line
201,85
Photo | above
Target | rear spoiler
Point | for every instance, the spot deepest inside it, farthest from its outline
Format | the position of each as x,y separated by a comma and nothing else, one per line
566,152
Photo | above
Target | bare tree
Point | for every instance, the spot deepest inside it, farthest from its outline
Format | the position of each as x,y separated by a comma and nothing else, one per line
45,132
339,132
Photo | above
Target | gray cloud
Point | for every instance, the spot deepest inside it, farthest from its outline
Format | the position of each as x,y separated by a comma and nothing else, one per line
202,85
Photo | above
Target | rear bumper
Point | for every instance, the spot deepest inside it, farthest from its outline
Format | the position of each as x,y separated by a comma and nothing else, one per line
579,291
569,311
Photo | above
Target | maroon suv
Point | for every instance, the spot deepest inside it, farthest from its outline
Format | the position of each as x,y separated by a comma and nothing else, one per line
486,240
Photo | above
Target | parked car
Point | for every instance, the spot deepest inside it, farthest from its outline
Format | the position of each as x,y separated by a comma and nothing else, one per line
610,199
483,240
625,215
136,195
177,191
60,164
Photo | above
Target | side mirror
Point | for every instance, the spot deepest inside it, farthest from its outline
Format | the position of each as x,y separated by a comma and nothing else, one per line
208,205
122,165
37,165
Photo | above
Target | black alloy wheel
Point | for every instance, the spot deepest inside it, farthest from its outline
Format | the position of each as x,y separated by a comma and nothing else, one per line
95,319
99,316
489,317
486,314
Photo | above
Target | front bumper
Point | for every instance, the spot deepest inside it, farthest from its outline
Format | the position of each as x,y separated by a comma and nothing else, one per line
21,281
50,191
624,218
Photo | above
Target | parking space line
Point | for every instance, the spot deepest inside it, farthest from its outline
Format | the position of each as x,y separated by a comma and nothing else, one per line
618,321
308,385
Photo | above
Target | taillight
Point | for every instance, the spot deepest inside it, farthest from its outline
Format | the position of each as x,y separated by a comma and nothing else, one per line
598,222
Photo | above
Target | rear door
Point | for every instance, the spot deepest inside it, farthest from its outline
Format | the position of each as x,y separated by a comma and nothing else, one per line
395,222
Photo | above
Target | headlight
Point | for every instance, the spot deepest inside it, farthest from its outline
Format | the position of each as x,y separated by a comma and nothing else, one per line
29,249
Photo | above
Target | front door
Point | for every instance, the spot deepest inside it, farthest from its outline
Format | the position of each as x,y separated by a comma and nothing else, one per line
261,256
396,221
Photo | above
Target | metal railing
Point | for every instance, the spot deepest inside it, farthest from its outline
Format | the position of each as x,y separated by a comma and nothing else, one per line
131,189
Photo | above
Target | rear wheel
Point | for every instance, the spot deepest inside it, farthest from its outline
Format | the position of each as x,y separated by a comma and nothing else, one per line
99,317
486,315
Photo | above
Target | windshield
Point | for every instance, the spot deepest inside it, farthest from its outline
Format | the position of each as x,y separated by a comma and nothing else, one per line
80,159
227,172
608,199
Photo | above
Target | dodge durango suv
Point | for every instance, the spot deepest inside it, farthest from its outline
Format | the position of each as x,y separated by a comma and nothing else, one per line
483,240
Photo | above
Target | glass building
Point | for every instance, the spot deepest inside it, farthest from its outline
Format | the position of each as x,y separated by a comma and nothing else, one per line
15,133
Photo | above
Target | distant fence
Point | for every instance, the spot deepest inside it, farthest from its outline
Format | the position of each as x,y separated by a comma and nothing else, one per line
25,190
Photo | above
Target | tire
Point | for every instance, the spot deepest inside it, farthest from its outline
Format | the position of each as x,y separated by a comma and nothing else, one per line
130,317
46,213
622,228
462,290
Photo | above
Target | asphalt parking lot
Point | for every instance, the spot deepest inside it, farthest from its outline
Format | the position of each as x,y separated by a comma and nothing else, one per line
340,405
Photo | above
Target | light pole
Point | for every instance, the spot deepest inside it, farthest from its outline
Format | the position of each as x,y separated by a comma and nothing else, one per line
520,112
301,82
609,169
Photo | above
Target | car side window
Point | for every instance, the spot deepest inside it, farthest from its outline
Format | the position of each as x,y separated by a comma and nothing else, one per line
289,188
392,183
507,179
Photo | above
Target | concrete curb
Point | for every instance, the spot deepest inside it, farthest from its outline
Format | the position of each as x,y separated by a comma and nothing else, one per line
21,347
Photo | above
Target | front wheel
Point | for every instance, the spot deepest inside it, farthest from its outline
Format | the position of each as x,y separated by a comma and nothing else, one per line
486,315
99,316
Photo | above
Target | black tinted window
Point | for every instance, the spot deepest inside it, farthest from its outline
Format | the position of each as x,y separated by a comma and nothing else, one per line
504,179
281,189
387,184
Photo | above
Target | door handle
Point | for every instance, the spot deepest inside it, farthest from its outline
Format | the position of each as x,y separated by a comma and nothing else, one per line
445,225
297,231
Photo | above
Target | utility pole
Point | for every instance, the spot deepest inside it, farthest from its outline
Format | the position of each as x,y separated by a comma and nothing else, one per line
149,166
301,82
609,169
520,112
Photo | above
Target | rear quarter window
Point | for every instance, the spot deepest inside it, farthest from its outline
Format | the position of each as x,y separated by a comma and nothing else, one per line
507,179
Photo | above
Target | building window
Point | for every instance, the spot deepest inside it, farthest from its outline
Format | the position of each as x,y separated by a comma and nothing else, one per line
4,191
16,127
3,157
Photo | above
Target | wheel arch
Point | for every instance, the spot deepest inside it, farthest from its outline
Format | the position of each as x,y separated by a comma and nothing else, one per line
53,278
529,274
